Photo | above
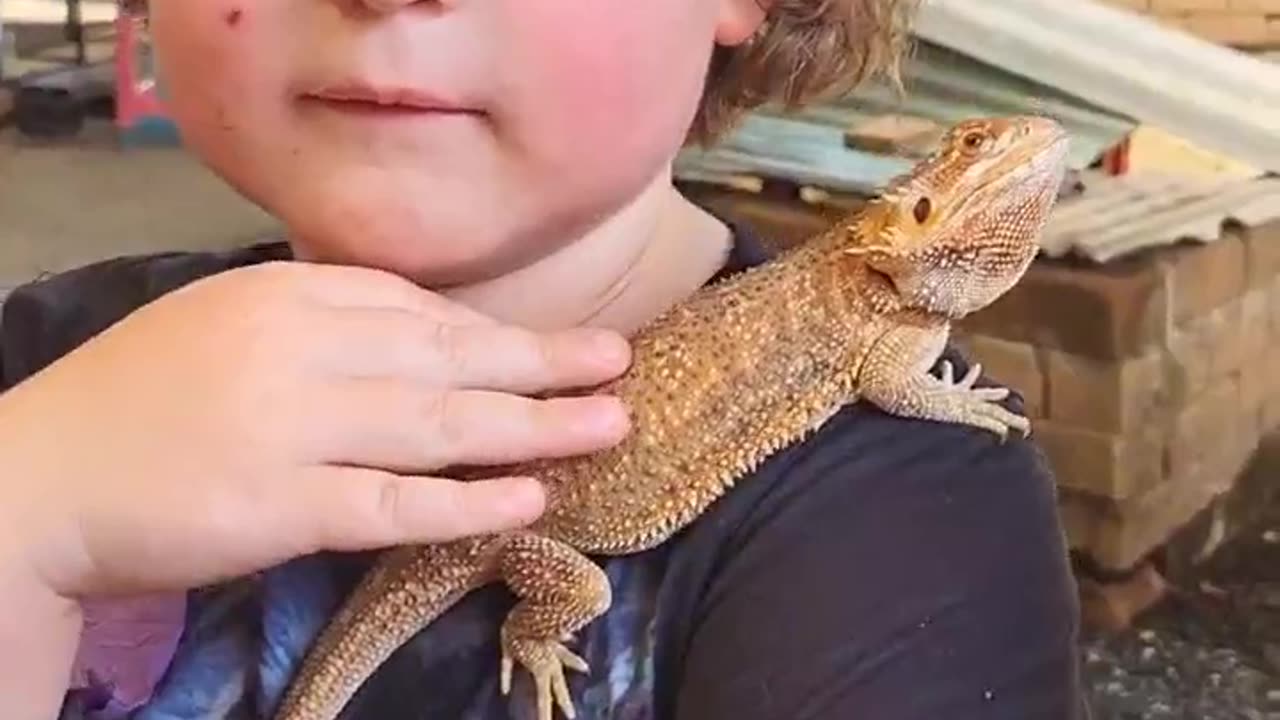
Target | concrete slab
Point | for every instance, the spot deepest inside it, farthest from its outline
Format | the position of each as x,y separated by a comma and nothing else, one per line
70,203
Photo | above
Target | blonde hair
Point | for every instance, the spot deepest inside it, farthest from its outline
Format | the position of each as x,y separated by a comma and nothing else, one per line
804,50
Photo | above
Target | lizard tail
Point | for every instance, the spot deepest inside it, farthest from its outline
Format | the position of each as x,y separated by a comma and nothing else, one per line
404,591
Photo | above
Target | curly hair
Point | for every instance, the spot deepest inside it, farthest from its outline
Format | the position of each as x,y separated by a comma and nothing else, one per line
805,49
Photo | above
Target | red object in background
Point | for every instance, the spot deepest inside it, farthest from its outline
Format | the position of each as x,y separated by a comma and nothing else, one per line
137,99
1115,161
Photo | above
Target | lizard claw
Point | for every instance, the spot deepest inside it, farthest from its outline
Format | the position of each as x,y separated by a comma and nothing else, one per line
865,249
980,409
546,663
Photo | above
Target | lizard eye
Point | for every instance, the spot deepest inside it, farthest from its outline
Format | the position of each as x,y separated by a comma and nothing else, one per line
972,140
922,209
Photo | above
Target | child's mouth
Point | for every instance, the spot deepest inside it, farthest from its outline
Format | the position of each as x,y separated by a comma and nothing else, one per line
366,99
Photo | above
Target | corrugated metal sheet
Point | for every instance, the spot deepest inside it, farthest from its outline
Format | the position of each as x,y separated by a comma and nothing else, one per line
1219,98
807,146
1116,216
804,153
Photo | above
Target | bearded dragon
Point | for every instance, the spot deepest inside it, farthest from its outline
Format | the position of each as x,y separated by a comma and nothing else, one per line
718,383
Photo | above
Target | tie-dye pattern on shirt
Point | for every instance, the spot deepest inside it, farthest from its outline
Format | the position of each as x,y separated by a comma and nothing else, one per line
245,641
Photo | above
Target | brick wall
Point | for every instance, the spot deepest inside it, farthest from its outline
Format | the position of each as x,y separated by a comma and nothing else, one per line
1150,381
1241,23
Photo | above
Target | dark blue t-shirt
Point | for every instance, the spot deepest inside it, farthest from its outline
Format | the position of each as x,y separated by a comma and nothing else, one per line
884,568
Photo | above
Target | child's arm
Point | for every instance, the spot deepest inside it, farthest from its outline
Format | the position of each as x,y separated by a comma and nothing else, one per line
261,414
38,629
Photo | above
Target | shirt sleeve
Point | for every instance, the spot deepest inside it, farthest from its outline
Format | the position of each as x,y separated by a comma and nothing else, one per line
49,317
893,569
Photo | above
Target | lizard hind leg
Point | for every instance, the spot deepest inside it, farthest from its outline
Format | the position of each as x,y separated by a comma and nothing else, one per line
560,592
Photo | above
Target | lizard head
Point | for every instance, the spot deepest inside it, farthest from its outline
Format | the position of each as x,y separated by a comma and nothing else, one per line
959,231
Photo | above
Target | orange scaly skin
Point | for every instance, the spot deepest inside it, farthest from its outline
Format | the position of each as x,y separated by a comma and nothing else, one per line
719,383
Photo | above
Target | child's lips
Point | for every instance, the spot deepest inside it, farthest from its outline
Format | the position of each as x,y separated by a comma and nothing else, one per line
371,99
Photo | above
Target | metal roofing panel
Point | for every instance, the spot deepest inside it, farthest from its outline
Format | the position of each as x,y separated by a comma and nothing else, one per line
807,146
806,153
1219,98
1116,216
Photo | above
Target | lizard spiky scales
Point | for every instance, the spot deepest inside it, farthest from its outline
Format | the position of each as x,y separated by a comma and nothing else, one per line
719,383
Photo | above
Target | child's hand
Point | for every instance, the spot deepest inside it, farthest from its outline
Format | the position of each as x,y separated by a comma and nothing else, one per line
277,410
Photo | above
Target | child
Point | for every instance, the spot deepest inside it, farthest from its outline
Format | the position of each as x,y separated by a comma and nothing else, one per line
476,185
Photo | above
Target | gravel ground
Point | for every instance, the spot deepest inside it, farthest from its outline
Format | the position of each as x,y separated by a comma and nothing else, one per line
1206,652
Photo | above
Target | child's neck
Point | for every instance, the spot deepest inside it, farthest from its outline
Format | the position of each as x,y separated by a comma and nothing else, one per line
621,274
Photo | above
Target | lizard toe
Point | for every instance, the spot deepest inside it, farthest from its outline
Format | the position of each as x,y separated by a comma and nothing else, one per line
545,662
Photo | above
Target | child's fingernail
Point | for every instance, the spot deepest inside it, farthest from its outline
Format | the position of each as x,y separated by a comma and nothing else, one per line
606,418
611,347
525,498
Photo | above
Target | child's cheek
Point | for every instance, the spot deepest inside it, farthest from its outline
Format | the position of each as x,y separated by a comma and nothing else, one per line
216,73
620,78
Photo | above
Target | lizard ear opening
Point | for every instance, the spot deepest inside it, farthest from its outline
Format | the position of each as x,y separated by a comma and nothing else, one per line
923,208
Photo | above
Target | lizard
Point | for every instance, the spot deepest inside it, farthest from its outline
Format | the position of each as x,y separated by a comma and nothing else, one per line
718,383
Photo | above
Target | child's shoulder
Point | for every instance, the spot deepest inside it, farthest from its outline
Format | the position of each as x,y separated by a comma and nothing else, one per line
49,316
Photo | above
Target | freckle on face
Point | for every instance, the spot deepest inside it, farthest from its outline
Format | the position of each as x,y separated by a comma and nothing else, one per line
233,16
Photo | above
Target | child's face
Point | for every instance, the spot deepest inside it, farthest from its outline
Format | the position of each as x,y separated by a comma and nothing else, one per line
559,111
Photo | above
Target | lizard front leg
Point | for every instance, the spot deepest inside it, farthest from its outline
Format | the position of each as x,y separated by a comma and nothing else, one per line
895,377
560,591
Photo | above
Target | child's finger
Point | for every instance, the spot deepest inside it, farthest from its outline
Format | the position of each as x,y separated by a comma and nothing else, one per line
351,509
397,344
399,427
513,359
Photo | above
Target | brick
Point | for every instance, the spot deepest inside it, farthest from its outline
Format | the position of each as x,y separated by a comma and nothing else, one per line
1257,371
1238,447
1273,361
1138,5
1080,514
1228,340
1206,430
1189,366
1204,276
1239,510
1103,464
1138,526
1256,381
1169,21
1262,251
1105,396
1012,364
1204,350
1112,606
1256,322
1260,6
1270,382
1236,441
1229,28
1266,382
1105,312
1184,6
1271,414
1275,310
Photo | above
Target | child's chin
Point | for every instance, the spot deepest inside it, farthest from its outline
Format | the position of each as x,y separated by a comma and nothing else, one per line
436,256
